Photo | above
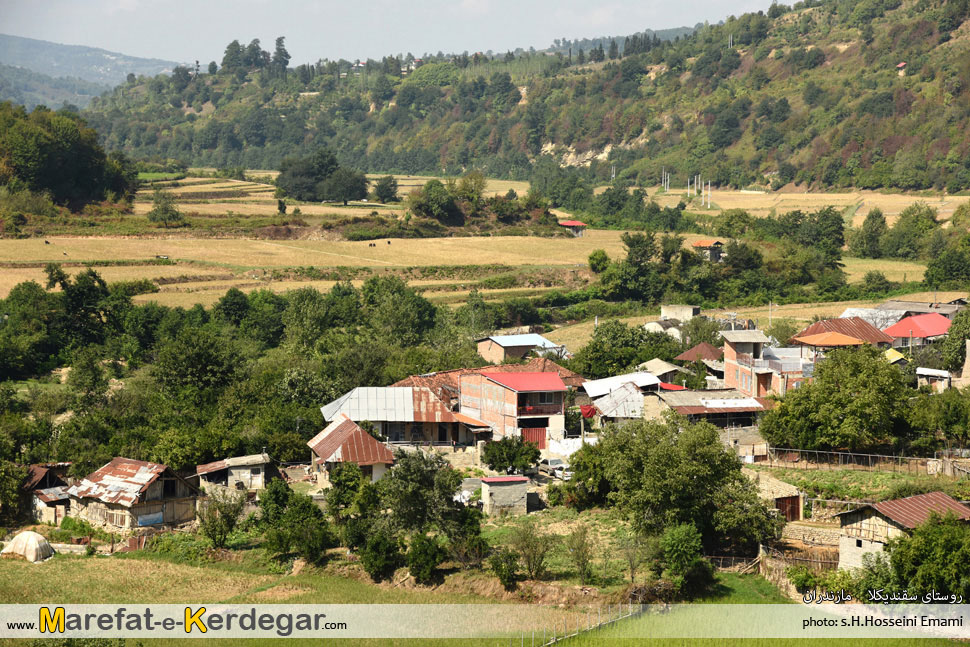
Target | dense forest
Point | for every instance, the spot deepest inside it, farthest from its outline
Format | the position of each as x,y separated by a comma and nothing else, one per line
759,99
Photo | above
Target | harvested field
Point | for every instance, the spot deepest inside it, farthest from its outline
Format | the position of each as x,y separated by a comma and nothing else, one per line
11,276
899,271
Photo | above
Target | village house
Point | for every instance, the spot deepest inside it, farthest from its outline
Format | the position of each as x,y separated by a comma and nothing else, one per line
239,473
722,408
710,249
867,529
505,495
408,415
712,359
574,226
936,379
746,442
620,406
499,348
46,491
854,327
910,308
127,494
664,371
343,441
919,330
781,496
756,370
530,405
642,380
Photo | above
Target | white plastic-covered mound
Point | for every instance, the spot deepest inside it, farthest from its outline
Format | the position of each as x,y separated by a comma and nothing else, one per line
30,545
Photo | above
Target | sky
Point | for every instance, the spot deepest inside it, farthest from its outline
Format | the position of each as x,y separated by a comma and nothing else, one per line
185,31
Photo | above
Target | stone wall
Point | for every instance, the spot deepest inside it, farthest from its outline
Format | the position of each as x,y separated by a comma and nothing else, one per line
505,498
819,536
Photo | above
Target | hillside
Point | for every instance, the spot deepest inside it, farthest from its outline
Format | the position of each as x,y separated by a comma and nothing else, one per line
90,64
29,89
772,109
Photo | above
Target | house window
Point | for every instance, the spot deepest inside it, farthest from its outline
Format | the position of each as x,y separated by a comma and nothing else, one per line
546,398
858,543
256,471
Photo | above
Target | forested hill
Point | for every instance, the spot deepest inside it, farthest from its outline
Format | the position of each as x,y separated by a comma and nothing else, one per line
817,93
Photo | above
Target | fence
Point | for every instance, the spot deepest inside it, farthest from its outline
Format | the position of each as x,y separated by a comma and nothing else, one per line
732,563
818,460
595,619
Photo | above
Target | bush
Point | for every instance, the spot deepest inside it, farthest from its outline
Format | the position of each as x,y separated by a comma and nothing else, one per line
505,565
181,547
580,546
220,514
511,453
381,556
423,557
533,548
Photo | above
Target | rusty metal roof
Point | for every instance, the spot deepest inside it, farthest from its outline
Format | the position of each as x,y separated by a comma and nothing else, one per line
235,461
528,382
344,441
122,481
446,384
856,327
914,510
389,404
701,351
52,494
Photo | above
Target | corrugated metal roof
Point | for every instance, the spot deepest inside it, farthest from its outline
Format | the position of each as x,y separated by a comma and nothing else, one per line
878,318
121,481
706,242
692,403
52,494
597,388
235,461
623,402
446,384
828,340
744,336
389,404
659,367
505,479
921,306
344,441
856,327
528,382
701,351
914,510
932,372
926,325
530,339
572,223
892,355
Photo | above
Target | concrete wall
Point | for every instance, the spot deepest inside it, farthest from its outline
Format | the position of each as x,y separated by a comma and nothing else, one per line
683,313
505,498
850,551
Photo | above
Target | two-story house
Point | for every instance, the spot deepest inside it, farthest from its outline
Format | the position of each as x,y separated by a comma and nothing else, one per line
530,405
756,370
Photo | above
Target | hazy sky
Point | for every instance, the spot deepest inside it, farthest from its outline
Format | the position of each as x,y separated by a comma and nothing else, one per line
184,31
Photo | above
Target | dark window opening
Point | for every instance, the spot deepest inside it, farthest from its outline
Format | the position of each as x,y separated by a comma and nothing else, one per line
858,543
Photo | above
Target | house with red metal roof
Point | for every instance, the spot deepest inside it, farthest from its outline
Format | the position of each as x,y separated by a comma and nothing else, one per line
918,330
344,441
867,529
709,248
407,414
855,327
127,494
531,405
575,226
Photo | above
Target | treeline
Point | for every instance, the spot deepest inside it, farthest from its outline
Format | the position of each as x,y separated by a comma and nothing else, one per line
57,154
658,103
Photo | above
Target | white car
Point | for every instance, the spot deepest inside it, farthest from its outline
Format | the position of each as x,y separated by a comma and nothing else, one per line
563,472
549,466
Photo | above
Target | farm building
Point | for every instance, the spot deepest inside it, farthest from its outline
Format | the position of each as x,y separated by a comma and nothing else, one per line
530,405
47,493
669,327
240,472
505,495
407,414
343,441
576,227
700,352
499,348
126,494
747,443
918,330
910,308
709,248
679,312
867,529
722,408
938,380
782,496
665,371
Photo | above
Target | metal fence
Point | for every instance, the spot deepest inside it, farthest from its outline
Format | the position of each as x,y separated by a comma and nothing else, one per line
809,459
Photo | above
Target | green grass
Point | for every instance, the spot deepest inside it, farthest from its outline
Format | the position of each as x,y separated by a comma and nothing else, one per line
859,485
732,588
150,176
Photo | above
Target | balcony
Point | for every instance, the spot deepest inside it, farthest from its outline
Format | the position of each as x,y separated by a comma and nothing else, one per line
539,410
785,366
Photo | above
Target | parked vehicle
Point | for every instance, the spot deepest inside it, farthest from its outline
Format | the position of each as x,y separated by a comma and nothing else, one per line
548,466
563,472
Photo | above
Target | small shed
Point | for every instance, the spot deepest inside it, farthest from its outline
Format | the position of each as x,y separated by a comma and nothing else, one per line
252,472
782,496
576,227
47,493
709,248
505,494
938,380
867,529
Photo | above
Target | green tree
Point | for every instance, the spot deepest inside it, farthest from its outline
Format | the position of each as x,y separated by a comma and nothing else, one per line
616,348
12,477
533,548
381,555
87,381
505,564
598,261
928,559
423,557
630,546
867,241
344,185
385,189
853,403
164,209
954,347
579,543
419,491
510,454
219,514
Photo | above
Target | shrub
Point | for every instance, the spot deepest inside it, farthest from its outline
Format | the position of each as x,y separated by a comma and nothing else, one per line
381,556
505,565
423,557
533,548
580,546
220,514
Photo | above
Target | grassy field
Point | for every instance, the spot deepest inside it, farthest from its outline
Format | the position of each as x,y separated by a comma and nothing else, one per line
896,271
858,485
